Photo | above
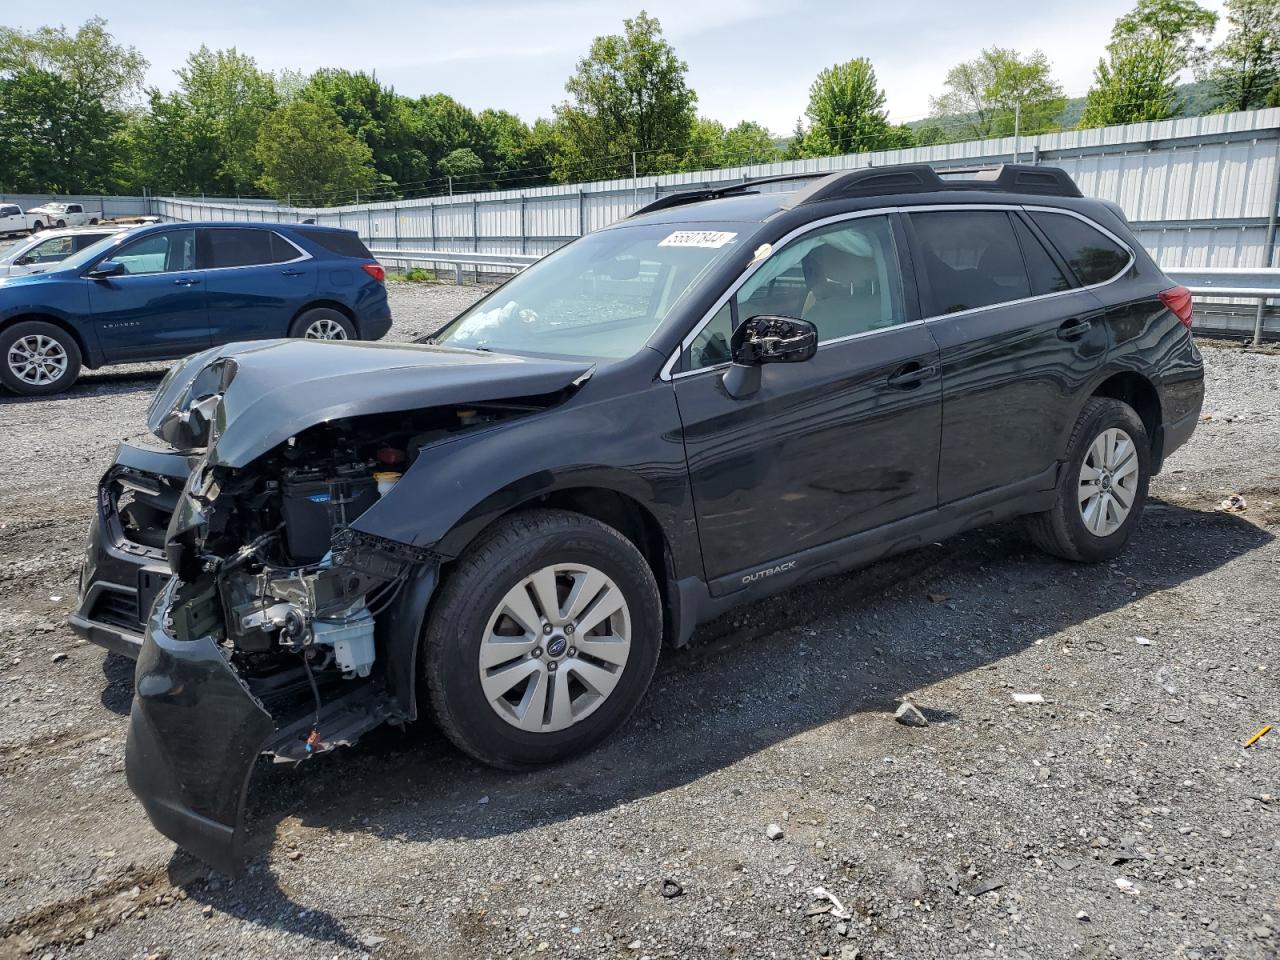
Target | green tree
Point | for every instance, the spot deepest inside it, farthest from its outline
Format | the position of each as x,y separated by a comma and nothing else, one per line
379,117
1245,67
846,111
64,102
464,167
986,95
306,154
629,94
1135,82
747,143
1182,25
203,136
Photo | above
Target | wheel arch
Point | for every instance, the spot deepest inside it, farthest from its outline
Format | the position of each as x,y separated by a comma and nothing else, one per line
337,305
88,358
1139,392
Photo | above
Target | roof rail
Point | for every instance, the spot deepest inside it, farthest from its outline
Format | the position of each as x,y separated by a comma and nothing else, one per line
883,181
712,193
922,178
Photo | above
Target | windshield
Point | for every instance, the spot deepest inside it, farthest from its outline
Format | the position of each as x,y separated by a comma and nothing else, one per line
601,296
78,260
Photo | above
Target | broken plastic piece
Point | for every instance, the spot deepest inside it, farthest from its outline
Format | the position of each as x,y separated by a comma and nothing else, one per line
1257,736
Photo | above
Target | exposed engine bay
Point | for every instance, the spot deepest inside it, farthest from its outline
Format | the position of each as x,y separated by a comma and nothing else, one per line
275,575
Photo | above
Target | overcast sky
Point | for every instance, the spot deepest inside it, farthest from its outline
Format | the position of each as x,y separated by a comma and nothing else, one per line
748,59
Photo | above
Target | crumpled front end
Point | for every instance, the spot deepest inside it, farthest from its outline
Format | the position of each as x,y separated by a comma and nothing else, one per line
195,732
288,628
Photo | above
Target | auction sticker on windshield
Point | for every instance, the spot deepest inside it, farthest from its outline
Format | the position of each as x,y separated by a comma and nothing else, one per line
714,239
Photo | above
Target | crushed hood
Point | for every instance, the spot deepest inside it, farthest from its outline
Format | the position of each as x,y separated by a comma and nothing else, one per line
240,400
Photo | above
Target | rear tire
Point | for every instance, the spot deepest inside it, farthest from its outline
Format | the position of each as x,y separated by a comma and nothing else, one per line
38,358
37,227
584,681
1102,486
61,224
322,323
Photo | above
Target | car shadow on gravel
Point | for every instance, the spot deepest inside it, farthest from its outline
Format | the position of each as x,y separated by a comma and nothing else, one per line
818,654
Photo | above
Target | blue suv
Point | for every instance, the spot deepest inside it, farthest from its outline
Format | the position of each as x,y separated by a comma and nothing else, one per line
168,290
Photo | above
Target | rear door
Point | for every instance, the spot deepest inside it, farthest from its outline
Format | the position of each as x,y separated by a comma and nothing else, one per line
1020,341
257,280
825,449
156,308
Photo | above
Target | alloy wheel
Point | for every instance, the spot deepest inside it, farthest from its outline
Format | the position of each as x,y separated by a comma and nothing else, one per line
325,329
37,360
1108,482
555,647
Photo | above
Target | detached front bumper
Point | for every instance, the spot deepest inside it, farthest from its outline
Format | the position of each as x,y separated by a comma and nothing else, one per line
195,732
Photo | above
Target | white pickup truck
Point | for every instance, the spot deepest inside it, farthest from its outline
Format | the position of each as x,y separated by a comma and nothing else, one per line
62,215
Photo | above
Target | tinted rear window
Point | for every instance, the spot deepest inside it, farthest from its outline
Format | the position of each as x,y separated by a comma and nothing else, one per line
1046,277
971,257
231,247
345,243
1093,256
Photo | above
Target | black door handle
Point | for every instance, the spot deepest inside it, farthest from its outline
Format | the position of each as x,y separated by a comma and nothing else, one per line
911,375
186,282
1074,328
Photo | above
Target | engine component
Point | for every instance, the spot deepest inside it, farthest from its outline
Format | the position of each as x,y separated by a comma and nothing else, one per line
314,506
351,638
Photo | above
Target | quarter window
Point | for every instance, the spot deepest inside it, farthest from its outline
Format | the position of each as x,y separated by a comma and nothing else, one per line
1094,257
971,258
159,253
844,279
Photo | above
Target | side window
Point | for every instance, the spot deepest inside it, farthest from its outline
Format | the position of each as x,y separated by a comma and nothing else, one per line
159,253
844,279
56,248
1045,275
1093,256
971,258
75,208
233,247
9,211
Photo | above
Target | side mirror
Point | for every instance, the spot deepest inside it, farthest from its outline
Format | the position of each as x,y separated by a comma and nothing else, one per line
774,340
105,270
764,340
23,262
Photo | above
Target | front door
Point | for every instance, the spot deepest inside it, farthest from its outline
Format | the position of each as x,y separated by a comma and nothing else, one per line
1020,340
155,310
828,448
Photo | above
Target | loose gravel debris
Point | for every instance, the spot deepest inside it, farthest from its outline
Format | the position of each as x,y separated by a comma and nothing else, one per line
970,839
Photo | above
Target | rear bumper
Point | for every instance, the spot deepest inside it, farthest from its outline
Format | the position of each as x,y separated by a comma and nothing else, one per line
195,732
375,328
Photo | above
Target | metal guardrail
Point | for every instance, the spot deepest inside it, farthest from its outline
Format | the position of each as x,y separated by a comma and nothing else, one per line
1247,283
457,260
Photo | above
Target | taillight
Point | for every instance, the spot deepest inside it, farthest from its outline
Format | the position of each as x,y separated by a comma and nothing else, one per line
375,270
1178,299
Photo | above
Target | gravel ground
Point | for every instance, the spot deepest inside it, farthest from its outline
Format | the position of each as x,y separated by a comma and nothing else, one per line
1120,818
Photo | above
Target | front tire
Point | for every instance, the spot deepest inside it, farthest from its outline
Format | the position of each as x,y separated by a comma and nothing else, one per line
543,640
38,358
61,224
1102,486
322,323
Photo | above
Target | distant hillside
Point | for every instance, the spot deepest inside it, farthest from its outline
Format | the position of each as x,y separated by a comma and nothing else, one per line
1194,100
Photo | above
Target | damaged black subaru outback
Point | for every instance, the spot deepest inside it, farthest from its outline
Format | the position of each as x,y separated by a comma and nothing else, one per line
730,392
